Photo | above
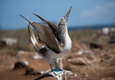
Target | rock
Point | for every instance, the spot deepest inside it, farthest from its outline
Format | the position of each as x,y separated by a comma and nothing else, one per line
110,78
83,53
113,62
107,56
2,44
89,54
97,45
97,52
79,61
19,65
77,46
66,65
65,75
63,64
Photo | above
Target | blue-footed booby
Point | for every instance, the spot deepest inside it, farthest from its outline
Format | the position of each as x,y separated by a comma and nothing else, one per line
53,41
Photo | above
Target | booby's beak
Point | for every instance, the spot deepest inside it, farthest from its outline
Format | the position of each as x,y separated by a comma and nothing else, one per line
63,21
67,14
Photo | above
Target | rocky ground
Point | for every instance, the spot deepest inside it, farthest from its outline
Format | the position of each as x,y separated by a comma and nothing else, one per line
83,63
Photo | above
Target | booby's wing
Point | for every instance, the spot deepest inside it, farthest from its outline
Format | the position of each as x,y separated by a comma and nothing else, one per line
53,26
62,26
37,45
45,35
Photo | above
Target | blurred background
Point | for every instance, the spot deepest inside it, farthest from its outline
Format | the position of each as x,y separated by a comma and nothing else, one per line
91,27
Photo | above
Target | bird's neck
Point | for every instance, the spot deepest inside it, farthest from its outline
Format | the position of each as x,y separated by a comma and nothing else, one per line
67,40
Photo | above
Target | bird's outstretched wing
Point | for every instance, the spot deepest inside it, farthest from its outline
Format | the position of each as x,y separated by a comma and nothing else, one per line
46,35
53,26
37,45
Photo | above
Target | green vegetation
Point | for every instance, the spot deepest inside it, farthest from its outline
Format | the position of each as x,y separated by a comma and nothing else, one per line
81,34
12,49
22,37
84,36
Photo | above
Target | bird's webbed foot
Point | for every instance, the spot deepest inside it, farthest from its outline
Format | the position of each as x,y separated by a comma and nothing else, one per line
57,71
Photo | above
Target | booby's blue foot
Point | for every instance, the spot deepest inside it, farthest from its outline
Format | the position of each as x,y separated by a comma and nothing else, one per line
57,71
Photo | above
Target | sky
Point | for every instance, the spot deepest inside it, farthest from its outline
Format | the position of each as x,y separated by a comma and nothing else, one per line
83,13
